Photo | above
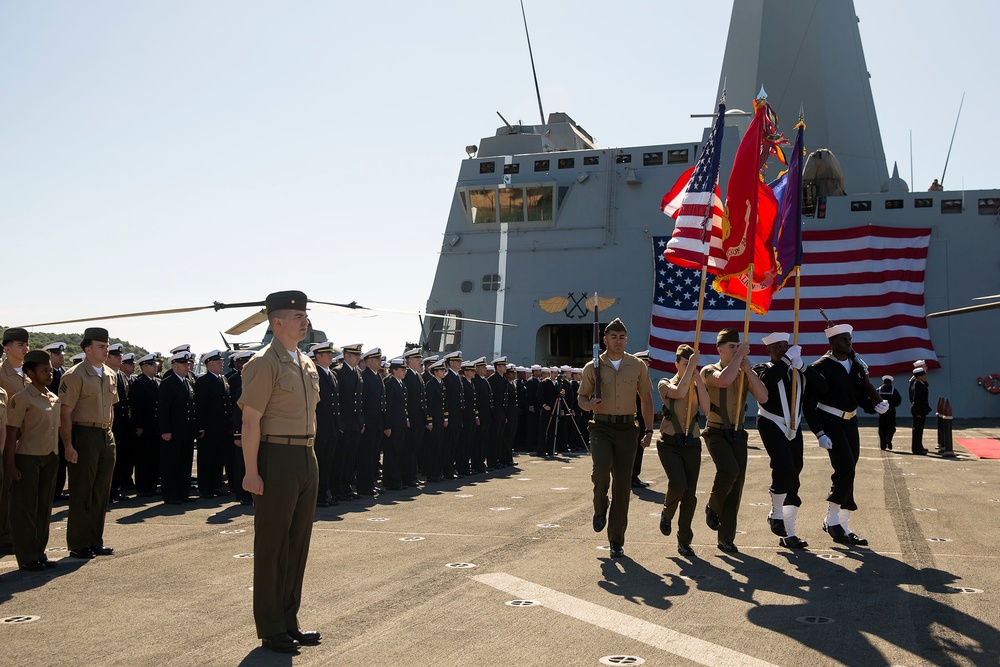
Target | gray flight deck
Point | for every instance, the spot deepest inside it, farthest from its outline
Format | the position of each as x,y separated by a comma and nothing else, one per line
176,594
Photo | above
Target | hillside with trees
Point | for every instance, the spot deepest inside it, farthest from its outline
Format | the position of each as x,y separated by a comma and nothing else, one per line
39,339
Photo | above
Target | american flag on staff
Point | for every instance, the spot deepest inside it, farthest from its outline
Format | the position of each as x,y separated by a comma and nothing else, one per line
688,204
870,277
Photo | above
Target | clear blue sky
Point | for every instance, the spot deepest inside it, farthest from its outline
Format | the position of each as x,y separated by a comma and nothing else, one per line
166,154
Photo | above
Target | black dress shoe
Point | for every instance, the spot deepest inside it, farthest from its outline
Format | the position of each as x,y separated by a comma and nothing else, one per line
792,542
855,539
665,527
86,554
837,532
617,550
685,550
49,564
728,547
712,519
777,526
600,521
638,483
280,643
37,566
103,551
322,502
305,637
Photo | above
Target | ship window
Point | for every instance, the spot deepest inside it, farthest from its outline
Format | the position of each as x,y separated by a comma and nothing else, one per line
623,159
591,160
511,205
891,204
926,202
679,156
861,206
539,204
446,332
567,163
951,205
465,202
513,168
652,159
541,165
491,282
484,207
487,167
989,206
468,286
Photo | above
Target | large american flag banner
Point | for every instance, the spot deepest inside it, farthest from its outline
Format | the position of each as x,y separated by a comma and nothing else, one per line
869,277
695,204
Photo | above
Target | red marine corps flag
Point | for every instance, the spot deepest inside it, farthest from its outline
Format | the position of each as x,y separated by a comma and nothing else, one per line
751,213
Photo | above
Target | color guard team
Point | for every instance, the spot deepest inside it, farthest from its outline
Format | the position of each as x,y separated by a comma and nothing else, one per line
287,431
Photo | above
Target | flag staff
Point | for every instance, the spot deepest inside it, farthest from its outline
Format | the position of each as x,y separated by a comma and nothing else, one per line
793,411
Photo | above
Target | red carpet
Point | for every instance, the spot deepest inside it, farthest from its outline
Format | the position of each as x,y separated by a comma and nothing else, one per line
984,448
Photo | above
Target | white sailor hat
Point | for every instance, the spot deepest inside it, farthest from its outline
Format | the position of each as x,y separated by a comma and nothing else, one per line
385,364
353,348
536,367
398,362
481,361
545,369
412,352
439,364
182,357
325,346
242,354
468,365
838,329
578,371
500,360
776,337
430,360
643,354
886,378
214,355
456,355
149,358
115,349
58,347
919,367
523,369
77,358
186,347
374,352
337,358
565,369
128,358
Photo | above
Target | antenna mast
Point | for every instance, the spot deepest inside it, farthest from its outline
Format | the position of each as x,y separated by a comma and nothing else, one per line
538,93
952,142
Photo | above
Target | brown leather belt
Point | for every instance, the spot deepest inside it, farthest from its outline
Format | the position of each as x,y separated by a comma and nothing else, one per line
303,440
104,425
614,419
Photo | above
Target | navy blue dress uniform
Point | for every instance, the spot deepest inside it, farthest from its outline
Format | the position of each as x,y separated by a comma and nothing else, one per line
887,422
780,430
214,420
88,394
327,424
512,411
531,408
484,405
374,414
434,438
582,416
397,425
122,427
57,352
454,408
234,377
144,395
416,413
833,418
498,425
352,421
920,406
177,419
548,394
520,436
470,419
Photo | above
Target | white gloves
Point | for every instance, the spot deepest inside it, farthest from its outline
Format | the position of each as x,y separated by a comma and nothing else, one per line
825,442
794,354
882,407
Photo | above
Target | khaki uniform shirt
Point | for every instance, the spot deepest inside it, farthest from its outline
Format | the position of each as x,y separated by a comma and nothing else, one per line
732,400
89,395
37,415
10,381
3,408
284,392
677,407
618,388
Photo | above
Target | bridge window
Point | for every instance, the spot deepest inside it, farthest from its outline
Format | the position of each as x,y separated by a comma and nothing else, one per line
484,206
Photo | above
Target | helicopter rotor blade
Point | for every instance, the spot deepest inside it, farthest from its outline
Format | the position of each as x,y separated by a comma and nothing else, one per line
967,309
354,305
342,309
983,298
168,311
248,323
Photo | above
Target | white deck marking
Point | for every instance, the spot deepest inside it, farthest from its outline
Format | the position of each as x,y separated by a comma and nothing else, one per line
671,641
